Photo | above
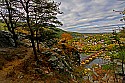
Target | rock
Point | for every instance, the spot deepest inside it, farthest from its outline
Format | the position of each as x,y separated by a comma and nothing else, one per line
123,80
6,39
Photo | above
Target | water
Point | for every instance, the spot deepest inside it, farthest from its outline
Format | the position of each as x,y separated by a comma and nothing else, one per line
97,60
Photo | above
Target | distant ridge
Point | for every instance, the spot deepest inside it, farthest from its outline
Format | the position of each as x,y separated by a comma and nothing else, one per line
98,33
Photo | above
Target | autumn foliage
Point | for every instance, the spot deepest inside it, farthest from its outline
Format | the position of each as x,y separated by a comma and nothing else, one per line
66,36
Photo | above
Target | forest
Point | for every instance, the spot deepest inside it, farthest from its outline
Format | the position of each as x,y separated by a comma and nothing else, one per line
33,49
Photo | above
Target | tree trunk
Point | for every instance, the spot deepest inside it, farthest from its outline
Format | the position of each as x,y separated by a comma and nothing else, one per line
37,41
14,37
32,38
33,45
11,28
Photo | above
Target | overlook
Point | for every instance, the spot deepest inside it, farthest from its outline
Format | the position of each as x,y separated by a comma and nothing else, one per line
62,41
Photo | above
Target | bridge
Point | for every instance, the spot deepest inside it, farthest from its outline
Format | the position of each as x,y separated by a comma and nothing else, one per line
91,57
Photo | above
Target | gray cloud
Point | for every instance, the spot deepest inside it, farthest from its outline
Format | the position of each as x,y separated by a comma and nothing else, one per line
83,15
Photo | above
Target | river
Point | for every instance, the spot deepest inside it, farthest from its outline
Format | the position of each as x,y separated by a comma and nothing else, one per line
97,60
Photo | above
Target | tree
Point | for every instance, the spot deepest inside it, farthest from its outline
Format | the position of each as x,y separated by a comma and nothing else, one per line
45,18
123,13
27,6
10,15
48,37
38,14
66,36
121,46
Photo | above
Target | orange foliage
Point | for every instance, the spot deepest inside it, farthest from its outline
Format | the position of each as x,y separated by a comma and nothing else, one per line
66,36
100,73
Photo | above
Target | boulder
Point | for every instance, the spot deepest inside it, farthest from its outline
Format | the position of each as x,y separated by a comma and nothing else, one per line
6,39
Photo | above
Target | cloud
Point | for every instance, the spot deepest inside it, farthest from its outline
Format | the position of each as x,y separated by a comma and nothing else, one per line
83,15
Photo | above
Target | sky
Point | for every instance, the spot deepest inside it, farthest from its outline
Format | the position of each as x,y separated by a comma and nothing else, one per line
90,16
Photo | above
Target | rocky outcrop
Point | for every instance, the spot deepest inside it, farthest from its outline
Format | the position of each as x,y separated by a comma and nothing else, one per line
6,39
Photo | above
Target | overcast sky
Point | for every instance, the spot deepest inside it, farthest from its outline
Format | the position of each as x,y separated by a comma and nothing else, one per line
90,16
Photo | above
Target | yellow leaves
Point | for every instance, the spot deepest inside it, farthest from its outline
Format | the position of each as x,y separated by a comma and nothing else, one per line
83,63
20,30
111,46
122,39
93,56
86,61
87,70
66,36
107,57
90,58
